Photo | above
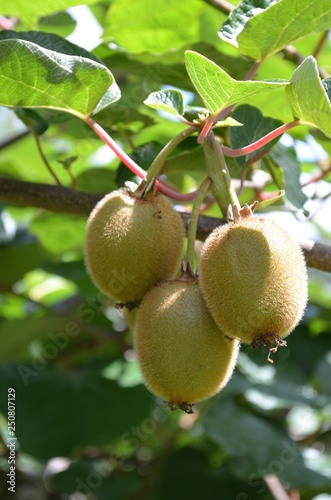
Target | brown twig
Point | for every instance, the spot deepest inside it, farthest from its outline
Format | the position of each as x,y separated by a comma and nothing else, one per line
320,44
222,5
291,54
65,200
44,159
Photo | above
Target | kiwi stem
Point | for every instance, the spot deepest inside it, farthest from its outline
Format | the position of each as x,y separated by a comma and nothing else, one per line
129,162
158,163
193,222
260,142
132,165
218,172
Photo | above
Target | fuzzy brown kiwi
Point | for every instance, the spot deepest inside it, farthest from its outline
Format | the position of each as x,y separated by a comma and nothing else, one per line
132,243
183,356
254,280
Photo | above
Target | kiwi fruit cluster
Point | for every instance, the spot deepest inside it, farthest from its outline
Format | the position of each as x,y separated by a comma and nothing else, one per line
187,331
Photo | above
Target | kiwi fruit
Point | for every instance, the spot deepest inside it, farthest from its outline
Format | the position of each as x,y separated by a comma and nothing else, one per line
183,356
134,239
254,280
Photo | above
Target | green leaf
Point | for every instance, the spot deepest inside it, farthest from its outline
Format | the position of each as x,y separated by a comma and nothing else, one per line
228,122
27,12
120,485
34,77
281,24
276,172
80,408
308,96
246,433
327,86
285,157
170,100
255,126
217,89
49,41
237,19
33,120
188,474
252,441
139,28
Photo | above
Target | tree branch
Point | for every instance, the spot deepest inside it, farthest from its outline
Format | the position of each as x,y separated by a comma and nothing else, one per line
53,198
68,201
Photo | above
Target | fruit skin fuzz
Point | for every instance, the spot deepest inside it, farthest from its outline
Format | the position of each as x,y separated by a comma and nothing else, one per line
254,280
132,243
183,356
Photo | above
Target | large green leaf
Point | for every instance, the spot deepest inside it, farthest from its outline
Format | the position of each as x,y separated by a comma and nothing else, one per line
271,29
58,412
157,27
308,96
120,485
252,441
34,77
27,12
48,41
217,89
188,474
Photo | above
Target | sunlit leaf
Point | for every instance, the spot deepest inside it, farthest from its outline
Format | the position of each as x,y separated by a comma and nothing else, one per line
27,12
140,27
217,89
34,77
259,32
308,96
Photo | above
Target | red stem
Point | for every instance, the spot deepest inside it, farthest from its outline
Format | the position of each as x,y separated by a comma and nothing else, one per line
260,142
205,129
133,166
317,178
